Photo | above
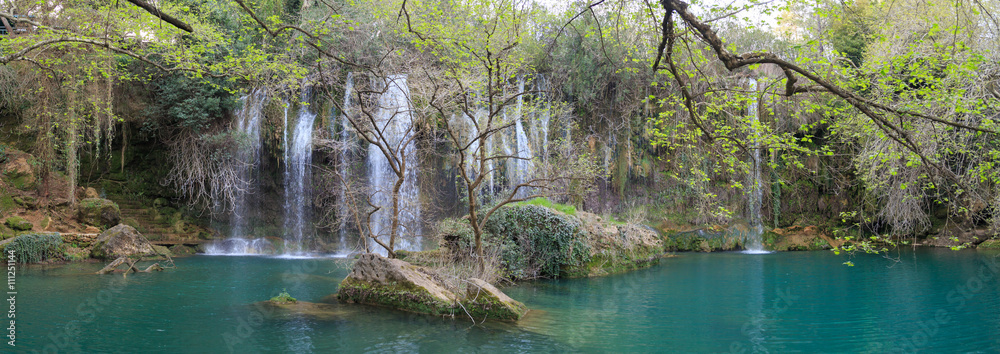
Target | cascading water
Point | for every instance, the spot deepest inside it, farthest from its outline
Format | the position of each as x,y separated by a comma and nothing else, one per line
343,169
249,117
522,164
298,177
394,119
544,114
754,194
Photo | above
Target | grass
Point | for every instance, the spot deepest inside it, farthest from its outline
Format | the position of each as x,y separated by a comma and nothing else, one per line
545,202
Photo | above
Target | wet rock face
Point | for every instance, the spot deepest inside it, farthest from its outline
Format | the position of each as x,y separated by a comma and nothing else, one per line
120,241
98,212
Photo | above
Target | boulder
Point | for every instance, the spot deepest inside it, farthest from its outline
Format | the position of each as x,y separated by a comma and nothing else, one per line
394,283
20,173
483,300
90,193
798,238
98,212
991,244
18,224
120,241
376,280
955,235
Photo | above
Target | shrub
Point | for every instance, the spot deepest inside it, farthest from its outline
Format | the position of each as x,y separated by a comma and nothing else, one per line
283,298
535,242
34,248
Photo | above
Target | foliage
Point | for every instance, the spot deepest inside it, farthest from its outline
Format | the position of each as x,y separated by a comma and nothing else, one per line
34,248
283,298
189,103
535,242
545,202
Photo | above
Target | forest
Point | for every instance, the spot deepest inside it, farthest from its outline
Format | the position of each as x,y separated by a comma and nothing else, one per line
506,143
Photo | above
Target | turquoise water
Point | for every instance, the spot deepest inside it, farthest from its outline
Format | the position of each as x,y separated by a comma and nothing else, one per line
925,300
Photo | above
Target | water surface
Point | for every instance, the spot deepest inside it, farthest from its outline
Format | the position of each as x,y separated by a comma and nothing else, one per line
925,300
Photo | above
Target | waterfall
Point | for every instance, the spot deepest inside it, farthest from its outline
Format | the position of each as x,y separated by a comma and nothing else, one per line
543,88
248,119
248,116
344,168
393,118
298,176
753,243
523,166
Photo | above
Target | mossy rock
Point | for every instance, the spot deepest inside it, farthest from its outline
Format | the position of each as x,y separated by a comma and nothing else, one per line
133,223
7,203
18,224
162,250
75,254
182,250
483,300
991,244
375,280
98,212
26,201
121,241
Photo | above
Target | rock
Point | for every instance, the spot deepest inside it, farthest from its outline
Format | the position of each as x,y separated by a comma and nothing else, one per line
120,241
90,193
955,235
26,201
20,173
483,300
18,224
162,250
98,212
182,250
991,244
798,238
394,283
376,280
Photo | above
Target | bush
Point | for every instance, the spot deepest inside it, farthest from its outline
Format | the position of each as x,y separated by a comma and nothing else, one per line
535,242
34,248
283,298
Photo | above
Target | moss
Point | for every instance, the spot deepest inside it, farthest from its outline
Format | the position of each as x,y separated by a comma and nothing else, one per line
563,208
283,298
23,182
18,224
991,244
396,295
485,305
182,250
601,265
7,203
98,212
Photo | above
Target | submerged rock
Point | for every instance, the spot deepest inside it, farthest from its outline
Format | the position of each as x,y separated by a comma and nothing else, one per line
121,241
98,212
